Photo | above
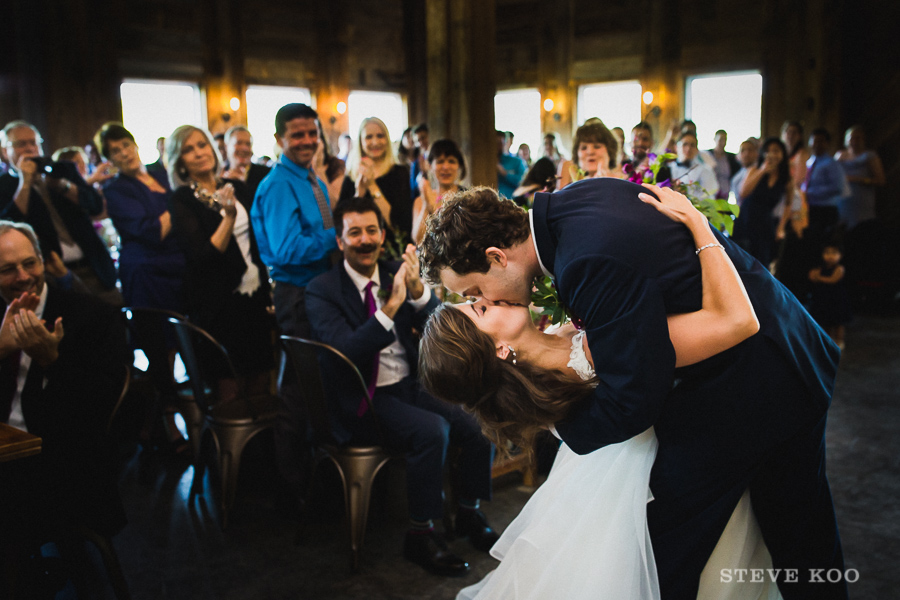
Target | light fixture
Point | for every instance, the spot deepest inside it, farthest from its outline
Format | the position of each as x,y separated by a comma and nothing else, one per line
648,97
548,104
341,107
235,103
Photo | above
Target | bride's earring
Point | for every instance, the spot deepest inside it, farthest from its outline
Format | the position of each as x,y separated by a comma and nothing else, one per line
515,357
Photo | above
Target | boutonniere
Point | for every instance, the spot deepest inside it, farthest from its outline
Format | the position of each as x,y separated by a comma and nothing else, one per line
545,296
384,291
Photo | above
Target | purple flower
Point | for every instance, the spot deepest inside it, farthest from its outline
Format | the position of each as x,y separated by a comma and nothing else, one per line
665,183
651,157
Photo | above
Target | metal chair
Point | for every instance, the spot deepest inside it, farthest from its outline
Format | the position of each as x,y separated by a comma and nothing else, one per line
184,396
357,465
231,424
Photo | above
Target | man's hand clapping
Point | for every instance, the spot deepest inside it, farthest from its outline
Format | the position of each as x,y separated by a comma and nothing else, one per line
398,292
413,281
26,301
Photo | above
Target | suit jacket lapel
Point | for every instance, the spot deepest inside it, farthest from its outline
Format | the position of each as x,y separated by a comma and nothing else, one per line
350,296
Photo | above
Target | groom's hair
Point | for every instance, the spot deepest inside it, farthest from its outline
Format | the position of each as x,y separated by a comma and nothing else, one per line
467,224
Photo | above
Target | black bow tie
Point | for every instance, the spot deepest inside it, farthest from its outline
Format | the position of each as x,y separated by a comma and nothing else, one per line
683,164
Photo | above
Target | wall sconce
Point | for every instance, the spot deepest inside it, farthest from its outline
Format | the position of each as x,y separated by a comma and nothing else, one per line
235,104
341,107
648,97
548,104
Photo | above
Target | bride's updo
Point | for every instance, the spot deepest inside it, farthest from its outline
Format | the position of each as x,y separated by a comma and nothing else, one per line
458,363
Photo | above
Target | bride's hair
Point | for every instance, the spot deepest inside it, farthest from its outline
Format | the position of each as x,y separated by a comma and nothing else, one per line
458,363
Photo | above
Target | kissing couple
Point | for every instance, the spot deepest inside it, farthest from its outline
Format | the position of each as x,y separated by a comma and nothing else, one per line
691,404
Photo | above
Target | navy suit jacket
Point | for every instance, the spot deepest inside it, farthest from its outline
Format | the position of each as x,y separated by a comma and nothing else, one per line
338,317
622,266
77,219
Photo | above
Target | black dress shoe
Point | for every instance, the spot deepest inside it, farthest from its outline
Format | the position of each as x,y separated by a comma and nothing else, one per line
473,524
429,551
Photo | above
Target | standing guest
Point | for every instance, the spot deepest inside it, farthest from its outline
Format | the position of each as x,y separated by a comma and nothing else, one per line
798,153
762,190
541,177
295,231
151,264
725,163
825,185
406,148
421,145
593,154
510,169
329,168
551,148
239,155
345,145
690,170
59,205
864,173
94,159
223,151
374,173
378,334
641,144
747,156
829,301
447,167
77,155
62,355
619,134
159,165
226,290
524,152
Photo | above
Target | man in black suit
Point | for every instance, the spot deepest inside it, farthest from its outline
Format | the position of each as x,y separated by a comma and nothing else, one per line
62,368
58,204
752,417
370,310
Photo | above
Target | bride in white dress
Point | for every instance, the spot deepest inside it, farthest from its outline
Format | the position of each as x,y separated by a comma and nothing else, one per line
583,534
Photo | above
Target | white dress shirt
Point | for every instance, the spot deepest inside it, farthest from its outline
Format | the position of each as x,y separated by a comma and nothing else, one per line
393,365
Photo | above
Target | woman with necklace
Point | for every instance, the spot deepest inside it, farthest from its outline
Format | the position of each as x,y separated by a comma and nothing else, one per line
446,167
226,285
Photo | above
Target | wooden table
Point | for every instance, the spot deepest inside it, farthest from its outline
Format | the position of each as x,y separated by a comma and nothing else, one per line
15,443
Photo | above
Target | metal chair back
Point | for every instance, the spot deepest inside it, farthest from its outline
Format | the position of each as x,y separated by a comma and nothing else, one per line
193,341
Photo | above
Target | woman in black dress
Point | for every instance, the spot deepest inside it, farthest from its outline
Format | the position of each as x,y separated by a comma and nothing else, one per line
374,172
226,285
762,190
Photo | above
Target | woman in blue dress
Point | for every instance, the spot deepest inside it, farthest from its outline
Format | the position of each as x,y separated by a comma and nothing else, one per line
151,264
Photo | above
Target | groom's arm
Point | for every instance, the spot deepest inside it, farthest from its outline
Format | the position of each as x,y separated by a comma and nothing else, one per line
625,320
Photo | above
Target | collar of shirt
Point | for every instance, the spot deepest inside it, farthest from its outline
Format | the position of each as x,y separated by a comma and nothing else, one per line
298,170
361,281
39,311
534,241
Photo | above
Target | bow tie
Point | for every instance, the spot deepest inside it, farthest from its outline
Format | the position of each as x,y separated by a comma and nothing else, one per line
684,164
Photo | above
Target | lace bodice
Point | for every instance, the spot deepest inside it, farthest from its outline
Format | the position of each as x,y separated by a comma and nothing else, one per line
578,359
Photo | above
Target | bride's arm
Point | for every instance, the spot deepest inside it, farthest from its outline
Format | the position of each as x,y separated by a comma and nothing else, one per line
726,317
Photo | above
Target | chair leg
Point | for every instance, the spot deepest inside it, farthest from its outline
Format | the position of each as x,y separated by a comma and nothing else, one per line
357,474
193,420
110,562
231,445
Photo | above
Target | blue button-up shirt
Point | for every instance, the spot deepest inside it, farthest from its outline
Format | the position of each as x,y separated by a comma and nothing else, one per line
826,183
291,236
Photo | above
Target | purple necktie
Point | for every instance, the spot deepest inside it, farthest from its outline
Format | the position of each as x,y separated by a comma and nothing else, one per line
371,309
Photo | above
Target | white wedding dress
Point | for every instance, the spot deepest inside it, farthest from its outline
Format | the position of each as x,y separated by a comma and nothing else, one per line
583,534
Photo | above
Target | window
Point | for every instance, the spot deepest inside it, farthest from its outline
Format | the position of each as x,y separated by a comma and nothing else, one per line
387,106
153,109
263,102
519,111
617,104
729,101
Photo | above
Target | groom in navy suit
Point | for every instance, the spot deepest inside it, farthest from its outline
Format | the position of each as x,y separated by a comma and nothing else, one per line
752,417
370,310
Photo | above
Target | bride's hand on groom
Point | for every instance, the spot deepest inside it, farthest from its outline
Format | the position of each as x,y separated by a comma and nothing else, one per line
674,205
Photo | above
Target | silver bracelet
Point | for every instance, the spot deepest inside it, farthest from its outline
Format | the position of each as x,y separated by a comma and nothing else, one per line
702,248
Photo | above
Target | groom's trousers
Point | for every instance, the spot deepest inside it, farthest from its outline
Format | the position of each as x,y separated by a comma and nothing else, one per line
771,443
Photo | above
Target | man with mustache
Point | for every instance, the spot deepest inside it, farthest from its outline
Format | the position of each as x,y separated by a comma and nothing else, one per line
369,311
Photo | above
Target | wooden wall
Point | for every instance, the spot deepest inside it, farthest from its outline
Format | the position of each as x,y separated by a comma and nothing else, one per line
824,62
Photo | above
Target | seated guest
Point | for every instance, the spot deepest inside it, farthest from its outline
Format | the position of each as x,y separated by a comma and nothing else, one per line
374,173
77,155
369,310
58,204
239,154
62,368
226,285
541,177
446,167
151,264
691,171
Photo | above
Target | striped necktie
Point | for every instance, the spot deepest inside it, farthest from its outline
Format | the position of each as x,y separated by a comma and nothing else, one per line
324,209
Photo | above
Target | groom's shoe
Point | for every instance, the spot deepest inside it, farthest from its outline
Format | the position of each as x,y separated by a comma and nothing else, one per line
428,550
473,524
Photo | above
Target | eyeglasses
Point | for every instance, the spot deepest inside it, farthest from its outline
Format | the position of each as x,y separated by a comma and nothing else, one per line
30,265
24,143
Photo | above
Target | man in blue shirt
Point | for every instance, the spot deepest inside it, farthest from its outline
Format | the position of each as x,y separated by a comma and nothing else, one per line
510,168
291,217
825,184
294,230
